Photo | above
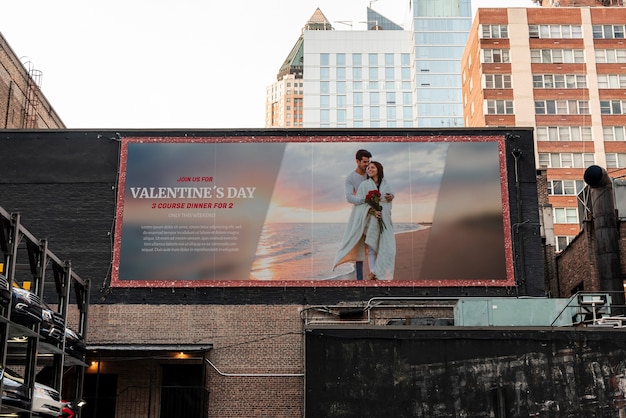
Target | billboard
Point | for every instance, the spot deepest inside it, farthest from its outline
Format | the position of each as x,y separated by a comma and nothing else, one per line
272,211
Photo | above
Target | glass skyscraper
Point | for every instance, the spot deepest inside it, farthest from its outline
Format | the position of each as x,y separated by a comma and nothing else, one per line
440,30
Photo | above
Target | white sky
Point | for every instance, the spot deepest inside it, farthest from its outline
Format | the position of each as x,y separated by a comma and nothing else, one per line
158,64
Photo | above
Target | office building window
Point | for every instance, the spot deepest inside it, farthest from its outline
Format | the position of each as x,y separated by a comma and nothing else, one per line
341,115
407,112
561,107
324,87
389,73
559,81
609,56
405,60
498,81
324,59
341,60
341,73
391,113
389,60
341,100
357,73
615,160
557,56
357,98
565,215
563,133
612,81
341,87
495,55
374,98
565,187
612,107
565,160
405,73
373,73
407,98
357,60
391,97
495,31
324,73
608,31
374,112
499,107
357,85
324,115
372,60
614,133
358,112
555,31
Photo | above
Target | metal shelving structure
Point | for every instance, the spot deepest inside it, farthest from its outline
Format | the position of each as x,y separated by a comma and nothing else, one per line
28,260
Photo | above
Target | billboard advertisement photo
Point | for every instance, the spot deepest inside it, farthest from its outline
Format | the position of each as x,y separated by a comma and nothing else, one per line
274,211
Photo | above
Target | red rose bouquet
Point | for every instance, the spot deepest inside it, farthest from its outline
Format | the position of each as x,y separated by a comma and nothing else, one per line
373,199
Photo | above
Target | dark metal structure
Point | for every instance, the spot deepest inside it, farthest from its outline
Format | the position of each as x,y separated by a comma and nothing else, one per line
29,263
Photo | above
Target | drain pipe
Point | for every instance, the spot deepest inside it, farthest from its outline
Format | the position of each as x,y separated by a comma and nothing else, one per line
253,374
605,233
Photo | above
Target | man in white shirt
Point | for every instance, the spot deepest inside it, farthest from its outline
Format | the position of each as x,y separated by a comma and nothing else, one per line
353,180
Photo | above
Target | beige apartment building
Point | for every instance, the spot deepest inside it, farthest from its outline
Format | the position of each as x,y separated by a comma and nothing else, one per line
561,70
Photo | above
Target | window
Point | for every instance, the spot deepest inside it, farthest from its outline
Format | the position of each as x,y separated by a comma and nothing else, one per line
373,73
341,60
389,71
372,59
389,60
498,81
557,56
324,101
324,73
565,216
391,97
555,31
357,60
562,242
341,100
561,107
324,59
357,73
611,81
608,31
495,55
564,133
565,160
495,31
341,73
499,107
374,98
604,56
559,81
405,60
407,98
565,187
612,107
615,160
405,73
614,133
357,98
341,87
324,87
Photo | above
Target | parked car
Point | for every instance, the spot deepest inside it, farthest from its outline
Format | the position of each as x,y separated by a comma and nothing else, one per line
46,400
74,344
52,327
5,291
14,392
26,307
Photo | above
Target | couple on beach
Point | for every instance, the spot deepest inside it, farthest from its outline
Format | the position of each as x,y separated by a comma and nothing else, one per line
370,229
